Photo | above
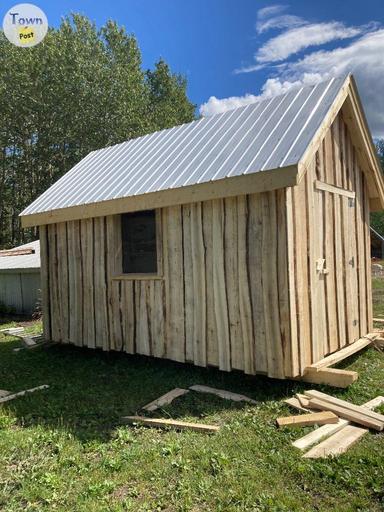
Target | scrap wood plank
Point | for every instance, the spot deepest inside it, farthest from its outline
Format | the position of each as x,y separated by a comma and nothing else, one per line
294,402
165,399
347,414
313,393
222,393
344,352
379,320
4,392
304,400
17,252
327,430
330,376
11,396
320,418
164,423
12,330
336,444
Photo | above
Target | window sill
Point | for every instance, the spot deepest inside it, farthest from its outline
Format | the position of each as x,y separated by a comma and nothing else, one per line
137,277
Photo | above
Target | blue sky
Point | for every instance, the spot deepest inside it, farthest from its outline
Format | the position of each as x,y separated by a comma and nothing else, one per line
244,49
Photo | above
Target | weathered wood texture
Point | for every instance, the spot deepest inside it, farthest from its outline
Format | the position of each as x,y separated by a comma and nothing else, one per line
264,283
329,261
223,299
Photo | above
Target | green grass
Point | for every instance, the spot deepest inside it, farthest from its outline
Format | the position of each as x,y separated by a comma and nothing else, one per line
64,448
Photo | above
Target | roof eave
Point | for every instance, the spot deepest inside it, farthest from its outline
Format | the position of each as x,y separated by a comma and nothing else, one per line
254,182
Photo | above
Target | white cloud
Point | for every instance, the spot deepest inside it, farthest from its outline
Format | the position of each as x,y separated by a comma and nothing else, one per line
296,39
283,21
363,56
266,12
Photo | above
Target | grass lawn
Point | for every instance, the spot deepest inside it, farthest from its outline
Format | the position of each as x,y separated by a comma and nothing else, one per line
64,449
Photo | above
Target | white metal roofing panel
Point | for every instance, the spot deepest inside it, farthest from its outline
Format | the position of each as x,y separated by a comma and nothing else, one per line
23,261
270,134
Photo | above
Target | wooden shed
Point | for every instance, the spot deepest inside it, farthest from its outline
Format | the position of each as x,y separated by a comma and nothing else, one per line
239,241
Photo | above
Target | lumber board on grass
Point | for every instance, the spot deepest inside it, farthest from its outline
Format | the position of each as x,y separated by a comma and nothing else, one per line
165,399
327,430
4,392
304,400
347,414
303,420
164,423
379,320
222,393
313,393
344,352
11,331
330,376
336,444
11,396
295,403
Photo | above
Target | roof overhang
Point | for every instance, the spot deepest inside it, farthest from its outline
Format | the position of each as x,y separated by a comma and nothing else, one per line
261,181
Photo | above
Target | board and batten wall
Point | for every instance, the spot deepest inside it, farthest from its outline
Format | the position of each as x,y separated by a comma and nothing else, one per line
238,286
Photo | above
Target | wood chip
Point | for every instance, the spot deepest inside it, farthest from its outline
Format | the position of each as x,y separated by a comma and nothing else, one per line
164,423
222,393
336,444
320,418
165,399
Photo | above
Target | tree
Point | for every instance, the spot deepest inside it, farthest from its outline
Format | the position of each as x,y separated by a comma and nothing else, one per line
79,90
377,218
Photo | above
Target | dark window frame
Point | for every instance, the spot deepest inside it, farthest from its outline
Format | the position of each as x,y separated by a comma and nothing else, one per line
140,257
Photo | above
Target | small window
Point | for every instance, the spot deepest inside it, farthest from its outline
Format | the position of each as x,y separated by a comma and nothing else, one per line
139,242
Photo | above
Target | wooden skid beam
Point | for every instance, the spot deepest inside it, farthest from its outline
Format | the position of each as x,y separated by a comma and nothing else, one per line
165,399
227,395
345,352
336,444
330,376
347,414
164,423
322,418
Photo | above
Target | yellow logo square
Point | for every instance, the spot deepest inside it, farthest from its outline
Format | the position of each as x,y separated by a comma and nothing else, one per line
26,35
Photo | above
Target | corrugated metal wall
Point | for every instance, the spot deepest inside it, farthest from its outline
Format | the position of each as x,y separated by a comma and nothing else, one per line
20,291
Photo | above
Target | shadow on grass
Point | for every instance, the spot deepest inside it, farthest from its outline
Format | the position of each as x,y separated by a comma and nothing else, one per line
89,390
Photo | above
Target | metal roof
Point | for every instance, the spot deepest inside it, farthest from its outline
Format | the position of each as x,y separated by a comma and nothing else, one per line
23,261
270,134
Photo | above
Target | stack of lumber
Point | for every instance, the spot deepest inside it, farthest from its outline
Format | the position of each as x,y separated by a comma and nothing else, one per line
352,422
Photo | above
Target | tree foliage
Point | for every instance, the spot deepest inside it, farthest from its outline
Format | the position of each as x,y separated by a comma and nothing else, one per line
81,89
377,218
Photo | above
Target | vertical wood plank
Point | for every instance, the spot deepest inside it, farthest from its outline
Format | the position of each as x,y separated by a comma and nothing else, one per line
361,255
45,281
244,288
197,254
113,268
75,265
219,286
212,341
157,318
174,282
331,264
128,316
275,354
143,335
62,258
254,263
290,367
368,256
88,282
54,284
188,284
100,285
